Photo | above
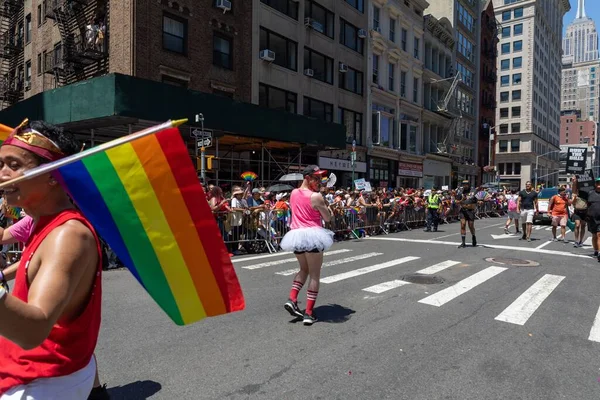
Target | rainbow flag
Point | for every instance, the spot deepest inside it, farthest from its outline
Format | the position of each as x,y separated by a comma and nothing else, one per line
13,212
145,200
5,131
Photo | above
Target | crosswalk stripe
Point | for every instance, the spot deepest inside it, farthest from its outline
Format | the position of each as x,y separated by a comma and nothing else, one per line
366,270
252,258
290,260
438,267
595,332
385,286
332,263
443,296
525,305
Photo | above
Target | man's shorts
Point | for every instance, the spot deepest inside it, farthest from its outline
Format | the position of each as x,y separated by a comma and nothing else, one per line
513,215
593,225
467,215
559,220
527,216
309,251
580,215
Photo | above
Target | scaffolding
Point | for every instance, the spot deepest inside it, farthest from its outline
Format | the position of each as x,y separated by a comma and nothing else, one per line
83,52
12,73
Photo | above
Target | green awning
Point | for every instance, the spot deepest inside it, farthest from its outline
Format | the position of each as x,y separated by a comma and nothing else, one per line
117,95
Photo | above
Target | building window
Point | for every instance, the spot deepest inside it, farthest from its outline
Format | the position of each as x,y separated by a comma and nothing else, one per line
392,36
516,79
40,69
506,32
466,18
518,29
515,145
503,145
501,168
174,34
509,168
403,84
467,75
285,49
505,48
404,38
223,93
39,15
353,123
358,4
504,112
28,75
504,128
352,80
376,68
58,58
318,109
515,128
222,51
28,28
518,45
349,36
391,76
321,65
504,80
516,112
277,99
287,7
517,169
322,18
416,90
376,16
516,95
505,65
503,97
506,16
174,81
518,12
465,47
416,48
517,62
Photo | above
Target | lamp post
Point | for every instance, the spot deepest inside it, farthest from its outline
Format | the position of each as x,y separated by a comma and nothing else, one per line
536,164
490,141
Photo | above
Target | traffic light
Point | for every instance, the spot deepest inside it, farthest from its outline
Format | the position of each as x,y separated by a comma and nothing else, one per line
209,162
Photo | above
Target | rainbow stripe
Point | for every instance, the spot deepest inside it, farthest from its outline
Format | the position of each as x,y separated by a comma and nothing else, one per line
249,176
13,212
145,200
5,131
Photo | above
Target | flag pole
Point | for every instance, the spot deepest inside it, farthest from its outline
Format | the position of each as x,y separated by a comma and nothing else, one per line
46,168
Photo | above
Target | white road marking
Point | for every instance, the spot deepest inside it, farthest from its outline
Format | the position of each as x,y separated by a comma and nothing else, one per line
237,260
595,332
588,242
288,272
438,267
525,305
385,286
491,246
479,229
505,236
544,244
450,293
290,260
366,270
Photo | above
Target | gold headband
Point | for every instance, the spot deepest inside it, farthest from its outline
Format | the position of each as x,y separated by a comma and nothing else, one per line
34,141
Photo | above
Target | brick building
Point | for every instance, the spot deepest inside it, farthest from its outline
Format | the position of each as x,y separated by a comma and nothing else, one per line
573,130
487,85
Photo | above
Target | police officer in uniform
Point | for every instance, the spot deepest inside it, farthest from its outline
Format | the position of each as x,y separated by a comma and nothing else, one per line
433,204
468,202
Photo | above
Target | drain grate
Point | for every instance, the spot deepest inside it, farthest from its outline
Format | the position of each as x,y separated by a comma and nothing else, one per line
516,262
423,279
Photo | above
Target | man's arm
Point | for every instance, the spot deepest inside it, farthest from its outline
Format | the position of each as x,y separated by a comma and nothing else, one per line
519,203
67,268
318,203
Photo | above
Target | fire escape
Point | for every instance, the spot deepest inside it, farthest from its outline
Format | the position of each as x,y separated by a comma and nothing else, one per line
12,74
83,51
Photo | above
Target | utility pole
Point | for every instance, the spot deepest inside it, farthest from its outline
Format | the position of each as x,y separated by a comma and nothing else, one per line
200,118
353,161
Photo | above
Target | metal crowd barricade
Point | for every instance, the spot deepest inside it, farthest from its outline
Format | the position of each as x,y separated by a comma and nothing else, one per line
251,230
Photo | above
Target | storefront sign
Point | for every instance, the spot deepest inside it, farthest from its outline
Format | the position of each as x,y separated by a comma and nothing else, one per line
410,169
341,165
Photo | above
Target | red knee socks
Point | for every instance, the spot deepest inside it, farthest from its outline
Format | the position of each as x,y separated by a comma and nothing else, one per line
296,287
311,298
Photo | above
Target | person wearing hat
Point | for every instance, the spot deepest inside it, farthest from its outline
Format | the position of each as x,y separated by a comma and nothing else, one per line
432,204
593,213
467,201
308,240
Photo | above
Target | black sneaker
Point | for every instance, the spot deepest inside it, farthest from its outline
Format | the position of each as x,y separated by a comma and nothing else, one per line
462,246
292,308
474,241
309,319
99,393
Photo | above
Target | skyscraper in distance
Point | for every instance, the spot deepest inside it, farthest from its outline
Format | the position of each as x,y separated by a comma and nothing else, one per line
580,43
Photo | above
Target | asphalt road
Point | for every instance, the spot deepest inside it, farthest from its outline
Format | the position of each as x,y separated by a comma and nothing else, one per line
478,329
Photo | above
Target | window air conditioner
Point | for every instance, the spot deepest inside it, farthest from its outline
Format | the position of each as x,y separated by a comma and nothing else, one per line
267,55
28,84
309,72
343,67
362,33
308,22
224,5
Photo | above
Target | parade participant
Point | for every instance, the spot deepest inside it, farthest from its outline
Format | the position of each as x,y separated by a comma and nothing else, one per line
527,206
580,214
468,203
433,203
51,320
308,240
593,214
558,208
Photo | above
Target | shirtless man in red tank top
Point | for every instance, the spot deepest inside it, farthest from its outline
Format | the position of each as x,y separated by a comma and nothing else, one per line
51,320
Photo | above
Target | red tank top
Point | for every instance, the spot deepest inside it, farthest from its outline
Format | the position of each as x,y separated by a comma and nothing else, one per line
70,345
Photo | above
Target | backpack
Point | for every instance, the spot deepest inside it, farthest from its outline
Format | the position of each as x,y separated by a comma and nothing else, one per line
512,204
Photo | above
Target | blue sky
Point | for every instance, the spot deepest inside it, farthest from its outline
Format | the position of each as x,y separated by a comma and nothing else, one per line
592,9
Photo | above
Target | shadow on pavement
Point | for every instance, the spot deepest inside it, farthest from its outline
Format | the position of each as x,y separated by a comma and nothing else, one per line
139,390
333,313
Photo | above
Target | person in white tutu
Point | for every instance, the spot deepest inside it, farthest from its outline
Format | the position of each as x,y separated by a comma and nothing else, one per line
308,240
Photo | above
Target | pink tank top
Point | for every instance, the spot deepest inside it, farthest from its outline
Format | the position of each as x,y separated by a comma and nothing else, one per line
303,214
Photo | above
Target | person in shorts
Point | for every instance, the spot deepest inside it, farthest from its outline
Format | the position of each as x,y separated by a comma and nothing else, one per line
593,214
579,216
527,206
558,208
468,202
512,199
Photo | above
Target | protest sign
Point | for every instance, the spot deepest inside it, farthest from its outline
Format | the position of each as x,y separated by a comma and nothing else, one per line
576,160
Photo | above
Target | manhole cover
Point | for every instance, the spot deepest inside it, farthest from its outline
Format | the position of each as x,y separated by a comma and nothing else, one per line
422,279
517,262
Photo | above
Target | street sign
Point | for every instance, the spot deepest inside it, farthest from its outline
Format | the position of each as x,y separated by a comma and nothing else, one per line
207,142
353,157
197,133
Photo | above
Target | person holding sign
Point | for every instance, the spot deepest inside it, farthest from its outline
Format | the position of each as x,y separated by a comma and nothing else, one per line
593,213
580,215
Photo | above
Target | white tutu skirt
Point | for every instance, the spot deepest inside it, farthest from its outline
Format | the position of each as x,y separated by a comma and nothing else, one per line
307,239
